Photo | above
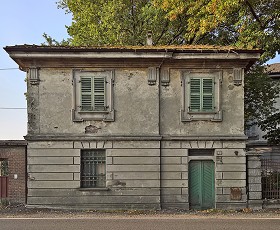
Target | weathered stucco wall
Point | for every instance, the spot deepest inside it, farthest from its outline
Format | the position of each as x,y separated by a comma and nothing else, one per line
135,102
147,145
231,105
132,175
136,105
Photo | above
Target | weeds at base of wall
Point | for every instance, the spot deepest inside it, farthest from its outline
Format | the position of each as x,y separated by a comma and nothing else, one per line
4,203
223,211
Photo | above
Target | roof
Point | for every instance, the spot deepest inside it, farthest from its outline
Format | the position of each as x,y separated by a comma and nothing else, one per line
170,48
274,68
25,55
13,143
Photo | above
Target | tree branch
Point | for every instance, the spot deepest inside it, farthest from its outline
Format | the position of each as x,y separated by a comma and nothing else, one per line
165,28
254,14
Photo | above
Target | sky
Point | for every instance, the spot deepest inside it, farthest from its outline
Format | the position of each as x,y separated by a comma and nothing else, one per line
24,22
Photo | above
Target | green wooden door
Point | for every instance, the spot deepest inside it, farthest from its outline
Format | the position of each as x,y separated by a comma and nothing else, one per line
201,185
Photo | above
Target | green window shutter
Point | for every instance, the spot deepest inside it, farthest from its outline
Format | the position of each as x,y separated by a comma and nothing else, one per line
201,94
93,93
99,93
86,94
195,97
207,94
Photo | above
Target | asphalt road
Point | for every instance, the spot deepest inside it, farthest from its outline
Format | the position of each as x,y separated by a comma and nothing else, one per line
139,224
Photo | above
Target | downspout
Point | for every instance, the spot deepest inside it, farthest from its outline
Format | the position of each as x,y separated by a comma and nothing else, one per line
26,175
159,132
247,183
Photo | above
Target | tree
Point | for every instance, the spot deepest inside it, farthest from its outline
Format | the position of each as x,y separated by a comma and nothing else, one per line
260,95
254,23
245,24
239,23
121,22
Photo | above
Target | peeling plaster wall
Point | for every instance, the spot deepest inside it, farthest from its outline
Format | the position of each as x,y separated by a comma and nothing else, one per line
232,107
140,173
136,104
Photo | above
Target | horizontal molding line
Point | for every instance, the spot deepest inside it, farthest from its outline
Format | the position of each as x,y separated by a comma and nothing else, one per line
132,138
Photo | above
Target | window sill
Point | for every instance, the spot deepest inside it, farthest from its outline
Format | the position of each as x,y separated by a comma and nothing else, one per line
79,116
200,116
93,111
94,189
202,112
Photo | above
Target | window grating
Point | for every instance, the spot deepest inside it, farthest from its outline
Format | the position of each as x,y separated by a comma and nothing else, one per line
93,169
201,152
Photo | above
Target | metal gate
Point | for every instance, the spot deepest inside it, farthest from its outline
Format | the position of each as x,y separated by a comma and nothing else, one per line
201,184
271,178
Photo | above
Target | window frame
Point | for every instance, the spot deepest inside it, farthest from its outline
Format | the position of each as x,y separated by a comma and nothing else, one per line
213,115
95,157
78,114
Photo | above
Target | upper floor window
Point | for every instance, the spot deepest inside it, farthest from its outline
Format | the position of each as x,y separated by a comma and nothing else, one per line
93,92
201,95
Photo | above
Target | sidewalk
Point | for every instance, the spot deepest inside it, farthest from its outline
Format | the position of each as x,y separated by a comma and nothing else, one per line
21,211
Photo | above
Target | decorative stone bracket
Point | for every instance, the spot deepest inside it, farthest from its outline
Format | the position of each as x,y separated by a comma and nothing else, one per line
165,77
238,75
153,75
33,76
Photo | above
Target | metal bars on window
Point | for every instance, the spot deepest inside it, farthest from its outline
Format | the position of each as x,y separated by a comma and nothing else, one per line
93,169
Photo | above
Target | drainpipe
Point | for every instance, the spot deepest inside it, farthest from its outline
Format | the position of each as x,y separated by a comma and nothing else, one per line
159,132
247,183
159,126
26,175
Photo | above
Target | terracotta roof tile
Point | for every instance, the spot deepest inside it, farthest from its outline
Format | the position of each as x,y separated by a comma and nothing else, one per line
274,68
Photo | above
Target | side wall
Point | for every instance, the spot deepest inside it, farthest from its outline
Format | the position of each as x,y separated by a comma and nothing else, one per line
15,153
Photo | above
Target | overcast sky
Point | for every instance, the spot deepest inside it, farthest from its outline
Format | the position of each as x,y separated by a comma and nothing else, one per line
24,22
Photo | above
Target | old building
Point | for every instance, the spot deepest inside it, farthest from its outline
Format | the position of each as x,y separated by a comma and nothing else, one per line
135,127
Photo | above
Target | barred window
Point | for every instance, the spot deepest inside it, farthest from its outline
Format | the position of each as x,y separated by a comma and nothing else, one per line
93,169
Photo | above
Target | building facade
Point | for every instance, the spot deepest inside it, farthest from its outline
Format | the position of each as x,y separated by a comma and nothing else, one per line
135,127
